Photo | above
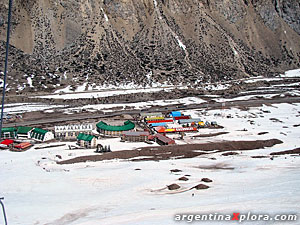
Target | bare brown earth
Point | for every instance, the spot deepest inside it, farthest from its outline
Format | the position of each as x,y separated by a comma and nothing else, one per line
294,151
175,151
211,135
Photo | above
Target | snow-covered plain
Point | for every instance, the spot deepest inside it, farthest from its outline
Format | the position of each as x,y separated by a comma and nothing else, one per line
137,105
38,191
102,93
16,108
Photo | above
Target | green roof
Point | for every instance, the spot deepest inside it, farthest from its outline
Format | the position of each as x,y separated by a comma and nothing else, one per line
9,129
128,125
24,130
40,131
85,137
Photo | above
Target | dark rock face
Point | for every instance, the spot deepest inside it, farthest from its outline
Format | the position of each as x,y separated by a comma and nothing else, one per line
183,178
207,180
145,41
201,186
173,187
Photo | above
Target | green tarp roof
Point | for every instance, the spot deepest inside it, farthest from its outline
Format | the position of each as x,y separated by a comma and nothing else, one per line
24,130
128,125
9,129
85,137
40,131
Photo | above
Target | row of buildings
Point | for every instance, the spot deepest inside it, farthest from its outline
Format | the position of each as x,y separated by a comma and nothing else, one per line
156,126
36,134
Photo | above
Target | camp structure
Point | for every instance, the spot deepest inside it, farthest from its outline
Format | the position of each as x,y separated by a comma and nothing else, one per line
187,121
114,131
86,140
176,114
24,132
21,147
156,118
71,131
157,124
164,140
7,142
9,132
175,130
41,135
160,121
135,136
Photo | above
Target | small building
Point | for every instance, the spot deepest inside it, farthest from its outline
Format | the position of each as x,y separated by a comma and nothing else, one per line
6,116
201,124
164,140
7,142
38,134
114,131
86,140
157,124
156,118
22,146
175,130
214,124
9,132
181,117
135,136
71,131
176,114
185,121
24,132
160,121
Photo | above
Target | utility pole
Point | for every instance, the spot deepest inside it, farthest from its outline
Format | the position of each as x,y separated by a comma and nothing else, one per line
6,61
3,209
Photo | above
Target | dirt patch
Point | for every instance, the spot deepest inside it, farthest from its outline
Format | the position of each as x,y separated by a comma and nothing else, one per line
218,166
230,153
207,180
259,157
262,133
173,187
177,151
175,170
201,186
183,178
294,151
211,135
275,120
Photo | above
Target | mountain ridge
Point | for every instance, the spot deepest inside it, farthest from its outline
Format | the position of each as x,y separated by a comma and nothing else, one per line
57,43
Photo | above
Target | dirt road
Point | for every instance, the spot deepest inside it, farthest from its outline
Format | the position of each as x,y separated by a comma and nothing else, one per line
209,105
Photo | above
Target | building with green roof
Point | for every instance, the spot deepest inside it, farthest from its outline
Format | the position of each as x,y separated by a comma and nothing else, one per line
8,132
24,132
39,134
105,129
86,140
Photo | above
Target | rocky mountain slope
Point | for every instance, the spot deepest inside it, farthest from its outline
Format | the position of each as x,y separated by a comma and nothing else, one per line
57,43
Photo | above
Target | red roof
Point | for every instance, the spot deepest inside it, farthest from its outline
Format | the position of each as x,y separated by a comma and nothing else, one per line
181,117
165,139
23,145
7,142
160,121
160,129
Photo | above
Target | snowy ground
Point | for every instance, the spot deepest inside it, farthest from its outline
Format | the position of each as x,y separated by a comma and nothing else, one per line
38,191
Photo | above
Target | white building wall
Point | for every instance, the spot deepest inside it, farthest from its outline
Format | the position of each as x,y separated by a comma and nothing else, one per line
48,136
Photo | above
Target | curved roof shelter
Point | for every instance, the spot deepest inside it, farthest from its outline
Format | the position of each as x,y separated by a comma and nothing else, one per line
128,125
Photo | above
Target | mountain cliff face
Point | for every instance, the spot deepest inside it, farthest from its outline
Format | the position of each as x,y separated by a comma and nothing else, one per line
56,43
